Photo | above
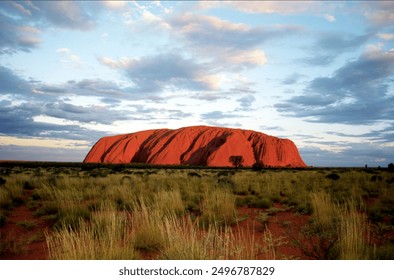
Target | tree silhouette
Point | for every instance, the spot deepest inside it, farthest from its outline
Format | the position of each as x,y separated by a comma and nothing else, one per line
236,161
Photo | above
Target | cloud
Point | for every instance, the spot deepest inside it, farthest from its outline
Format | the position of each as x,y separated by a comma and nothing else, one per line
18,115
229,45
33,153
83,114
386,36
246,102
17,36
43,142
27,120
68,14
11,83
218,115
152,74
17,120
379,13
210,47
122,62
209,96
330,18
115,5
266,7
21,9
356,93
23,22
354,155
292,79
68,57
100,87
330,45
50,89
248,58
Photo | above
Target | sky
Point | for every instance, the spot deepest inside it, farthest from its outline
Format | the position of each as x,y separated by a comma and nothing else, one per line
318,73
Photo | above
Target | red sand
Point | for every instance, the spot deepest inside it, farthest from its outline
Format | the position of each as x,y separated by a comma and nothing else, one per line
196,145
20,243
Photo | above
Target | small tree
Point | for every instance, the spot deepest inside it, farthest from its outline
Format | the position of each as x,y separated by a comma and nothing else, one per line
236,161
390,167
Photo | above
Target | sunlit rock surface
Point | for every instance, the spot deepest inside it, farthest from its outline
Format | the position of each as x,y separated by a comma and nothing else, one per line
196,145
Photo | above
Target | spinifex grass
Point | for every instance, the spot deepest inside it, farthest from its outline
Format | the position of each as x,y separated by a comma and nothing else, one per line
354,234
218,207
325,211
191,213
106,236
169,201
147,228
185,240
336,230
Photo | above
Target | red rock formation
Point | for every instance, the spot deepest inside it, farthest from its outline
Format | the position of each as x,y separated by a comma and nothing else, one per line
196,145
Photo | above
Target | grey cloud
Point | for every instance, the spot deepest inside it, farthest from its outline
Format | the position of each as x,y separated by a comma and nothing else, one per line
84,114
230,46
207,30
209,96
246,101
268,128
217,115
18,120
385,135
13,152
357,93
379,13
51,89
292,79
178,114
213,31
12,83
357,155
100,87
330,45
23,21
16,36
151,74
110,101
243,88
69,14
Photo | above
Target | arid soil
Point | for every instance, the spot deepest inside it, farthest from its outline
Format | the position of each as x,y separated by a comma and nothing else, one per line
22,237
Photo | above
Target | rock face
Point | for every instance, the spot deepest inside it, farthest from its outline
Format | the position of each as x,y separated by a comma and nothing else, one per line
196,145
